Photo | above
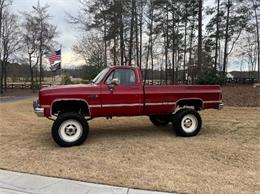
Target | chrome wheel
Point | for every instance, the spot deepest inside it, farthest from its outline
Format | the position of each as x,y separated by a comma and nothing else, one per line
189,123
70,130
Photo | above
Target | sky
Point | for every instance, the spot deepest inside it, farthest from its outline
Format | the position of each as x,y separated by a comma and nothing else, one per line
67,32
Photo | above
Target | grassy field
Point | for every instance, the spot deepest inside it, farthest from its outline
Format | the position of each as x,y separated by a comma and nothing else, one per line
223,158
241,95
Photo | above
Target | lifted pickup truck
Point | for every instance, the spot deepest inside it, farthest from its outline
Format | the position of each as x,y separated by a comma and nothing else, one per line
119,91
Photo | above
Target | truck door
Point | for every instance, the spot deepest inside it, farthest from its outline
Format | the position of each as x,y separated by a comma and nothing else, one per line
121,94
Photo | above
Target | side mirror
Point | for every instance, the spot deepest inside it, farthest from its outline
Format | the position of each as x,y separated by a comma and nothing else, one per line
115,82
112,84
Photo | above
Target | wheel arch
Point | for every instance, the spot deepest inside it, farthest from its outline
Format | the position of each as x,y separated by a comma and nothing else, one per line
78,104
196,102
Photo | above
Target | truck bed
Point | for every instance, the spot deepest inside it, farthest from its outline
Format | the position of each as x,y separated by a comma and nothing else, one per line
162,98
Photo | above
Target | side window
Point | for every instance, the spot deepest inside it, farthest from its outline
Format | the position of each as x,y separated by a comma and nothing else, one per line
124,76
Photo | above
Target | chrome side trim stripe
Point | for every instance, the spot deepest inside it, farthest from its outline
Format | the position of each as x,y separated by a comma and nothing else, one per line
160,104
208,102
45,106
114,105
95,106
146,104
134,104
120,105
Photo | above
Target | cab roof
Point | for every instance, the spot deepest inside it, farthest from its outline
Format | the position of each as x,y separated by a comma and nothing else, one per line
124,67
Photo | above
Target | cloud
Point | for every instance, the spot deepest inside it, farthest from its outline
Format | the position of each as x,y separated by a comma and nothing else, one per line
71,59
67,33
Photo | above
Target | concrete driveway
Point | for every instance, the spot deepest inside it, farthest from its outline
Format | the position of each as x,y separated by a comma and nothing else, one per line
20,183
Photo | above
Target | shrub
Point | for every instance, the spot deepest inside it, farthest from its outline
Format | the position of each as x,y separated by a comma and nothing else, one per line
66,80
85,82
36,86
210,77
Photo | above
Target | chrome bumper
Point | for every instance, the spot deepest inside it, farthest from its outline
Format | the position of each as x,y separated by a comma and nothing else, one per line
37,109
221,106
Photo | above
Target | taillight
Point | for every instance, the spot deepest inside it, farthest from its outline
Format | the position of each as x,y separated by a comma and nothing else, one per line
220,95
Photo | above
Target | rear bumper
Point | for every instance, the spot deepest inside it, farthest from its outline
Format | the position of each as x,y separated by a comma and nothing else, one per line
221,106
37,109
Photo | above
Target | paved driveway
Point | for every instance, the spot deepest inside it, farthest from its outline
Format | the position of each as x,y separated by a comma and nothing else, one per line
20,183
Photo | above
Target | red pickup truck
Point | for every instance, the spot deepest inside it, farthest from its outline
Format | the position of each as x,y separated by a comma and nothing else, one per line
119,91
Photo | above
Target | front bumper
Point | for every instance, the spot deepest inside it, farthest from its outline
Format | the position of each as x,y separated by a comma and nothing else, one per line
37,109
221,106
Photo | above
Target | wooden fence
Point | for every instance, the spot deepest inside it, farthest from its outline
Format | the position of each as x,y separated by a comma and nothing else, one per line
24,85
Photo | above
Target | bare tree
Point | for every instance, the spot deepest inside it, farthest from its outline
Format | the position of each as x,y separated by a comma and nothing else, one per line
46,32
131,32
251,52
3,5
229,4
136,35
141,32
90,48
10,39
150,41
255,6
31,44
217,35
200,36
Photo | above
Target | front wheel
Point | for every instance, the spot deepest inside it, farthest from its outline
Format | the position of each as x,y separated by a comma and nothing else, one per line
187,122
70,129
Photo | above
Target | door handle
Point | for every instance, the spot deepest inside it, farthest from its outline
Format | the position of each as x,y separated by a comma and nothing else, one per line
93,96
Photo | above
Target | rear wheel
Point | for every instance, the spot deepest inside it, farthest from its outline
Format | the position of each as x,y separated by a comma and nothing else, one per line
159,120
187,122
70,129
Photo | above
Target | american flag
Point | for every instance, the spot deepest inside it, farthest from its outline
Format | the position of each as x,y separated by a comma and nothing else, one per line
55,56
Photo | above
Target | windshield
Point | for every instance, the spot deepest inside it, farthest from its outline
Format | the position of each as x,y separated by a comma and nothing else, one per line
100,76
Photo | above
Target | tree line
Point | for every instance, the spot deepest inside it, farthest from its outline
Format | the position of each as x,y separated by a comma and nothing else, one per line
201,38
187,41
26,38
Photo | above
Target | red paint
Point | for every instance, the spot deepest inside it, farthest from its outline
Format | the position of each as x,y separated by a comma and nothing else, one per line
100,98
